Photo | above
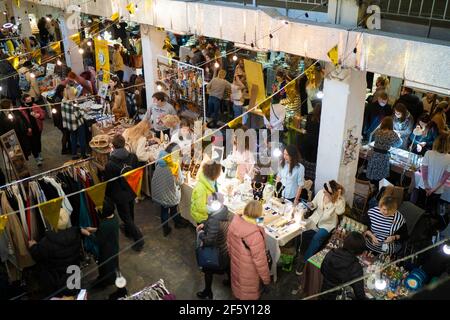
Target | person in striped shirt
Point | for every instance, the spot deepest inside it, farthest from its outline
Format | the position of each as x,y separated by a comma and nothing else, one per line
386,227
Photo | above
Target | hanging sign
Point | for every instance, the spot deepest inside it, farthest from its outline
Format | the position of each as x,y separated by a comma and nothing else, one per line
102,58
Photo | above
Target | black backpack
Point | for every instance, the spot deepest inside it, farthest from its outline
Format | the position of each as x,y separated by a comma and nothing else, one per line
125,166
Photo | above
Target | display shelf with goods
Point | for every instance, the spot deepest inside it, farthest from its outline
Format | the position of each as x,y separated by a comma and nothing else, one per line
185,85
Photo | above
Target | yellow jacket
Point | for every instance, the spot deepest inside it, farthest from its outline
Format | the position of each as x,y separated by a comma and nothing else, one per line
202,190
118,62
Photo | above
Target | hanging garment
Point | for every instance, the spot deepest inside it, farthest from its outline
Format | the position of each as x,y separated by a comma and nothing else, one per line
69,186
39,196
21,206
65,203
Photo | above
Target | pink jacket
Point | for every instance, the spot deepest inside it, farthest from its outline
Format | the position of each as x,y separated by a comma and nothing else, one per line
248,266
40,115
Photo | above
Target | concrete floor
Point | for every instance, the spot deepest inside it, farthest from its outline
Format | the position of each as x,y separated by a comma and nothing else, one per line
171,258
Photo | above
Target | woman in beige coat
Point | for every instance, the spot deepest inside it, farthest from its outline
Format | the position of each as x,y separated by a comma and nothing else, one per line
328,204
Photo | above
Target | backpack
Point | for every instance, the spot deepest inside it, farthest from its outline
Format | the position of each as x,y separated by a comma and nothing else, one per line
126,166
24,84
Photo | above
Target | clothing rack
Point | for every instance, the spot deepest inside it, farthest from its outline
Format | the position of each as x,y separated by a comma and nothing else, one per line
156,291
45,173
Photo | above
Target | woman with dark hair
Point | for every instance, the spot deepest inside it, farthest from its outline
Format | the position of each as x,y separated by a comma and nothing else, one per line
341,265
291,174
281,83
403,123
423,135
57,118
378,158
166,187
327,205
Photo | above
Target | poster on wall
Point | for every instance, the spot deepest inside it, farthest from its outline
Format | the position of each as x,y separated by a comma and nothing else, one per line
350,150
102,58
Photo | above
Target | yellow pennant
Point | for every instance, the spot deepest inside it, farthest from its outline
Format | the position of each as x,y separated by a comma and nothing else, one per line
265,107
235,122
131,8
56,47
310,73
333,54
76,37
3,221
50,210
18,3
115,16
97,194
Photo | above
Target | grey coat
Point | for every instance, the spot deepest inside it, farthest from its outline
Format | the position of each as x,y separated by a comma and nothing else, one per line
165,188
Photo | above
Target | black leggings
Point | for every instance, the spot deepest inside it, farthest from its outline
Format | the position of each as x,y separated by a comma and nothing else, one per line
209,279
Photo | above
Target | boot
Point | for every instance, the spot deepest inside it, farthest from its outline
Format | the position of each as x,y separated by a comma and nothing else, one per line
166,230
205,295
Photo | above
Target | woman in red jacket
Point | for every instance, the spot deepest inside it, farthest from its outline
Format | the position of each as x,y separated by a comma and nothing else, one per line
247,250
33,117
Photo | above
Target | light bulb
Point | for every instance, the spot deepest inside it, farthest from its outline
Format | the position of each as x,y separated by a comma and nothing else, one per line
380,284
10,116
216,205
216,65
277,152
54,111
59,62
121,282
89,43
235,58
48,19
99,37
89,21
446,249
159,87
81,51
32,75
1,88
319,95
5,12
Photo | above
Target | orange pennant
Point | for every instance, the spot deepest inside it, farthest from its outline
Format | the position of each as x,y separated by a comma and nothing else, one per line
134,179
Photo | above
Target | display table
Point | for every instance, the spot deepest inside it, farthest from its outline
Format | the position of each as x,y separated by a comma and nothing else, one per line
279,224
402,161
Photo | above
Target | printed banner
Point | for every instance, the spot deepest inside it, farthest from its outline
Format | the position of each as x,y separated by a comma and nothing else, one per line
97,194
50,210
134,179
102,58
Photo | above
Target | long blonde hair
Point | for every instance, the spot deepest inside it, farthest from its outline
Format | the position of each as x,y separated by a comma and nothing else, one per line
142,129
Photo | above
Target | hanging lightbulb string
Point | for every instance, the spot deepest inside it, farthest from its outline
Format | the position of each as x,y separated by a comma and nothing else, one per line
380,269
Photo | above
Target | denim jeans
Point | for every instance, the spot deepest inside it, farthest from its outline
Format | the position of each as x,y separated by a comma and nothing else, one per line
213,108
166,212
318,237
79,136
237,110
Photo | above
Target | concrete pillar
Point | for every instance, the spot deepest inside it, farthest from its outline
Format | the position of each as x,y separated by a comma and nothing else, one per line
74,59
346,12
152,47
342,110
25,25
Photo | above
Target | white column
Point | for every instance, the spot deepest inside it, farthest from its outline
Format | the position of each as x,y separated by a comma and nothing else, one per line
152,47
74,59
345,12
342,110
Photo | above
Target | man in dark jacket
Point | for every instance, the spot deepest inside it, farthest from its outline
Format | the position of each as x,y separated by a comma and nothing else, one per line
197,57
412,102
119,191
54,254
374,114
9,80
342,265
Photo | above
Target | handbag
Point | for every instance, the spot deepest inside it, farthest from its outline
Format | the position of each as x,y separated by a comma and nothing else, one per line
207,257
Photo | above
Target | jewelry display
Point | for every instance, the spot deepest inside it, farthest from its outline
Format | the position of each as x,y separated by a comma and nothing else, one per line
279,188
258,188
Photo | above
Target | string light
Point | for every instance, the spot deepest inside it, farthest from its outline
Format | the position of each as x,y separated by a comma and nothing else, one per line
277,152
380,284
235,57
319,95
1,88
446,249
59,62
10,116
99,37
81,50
120,282
54,111
32,75
159,87
89,43
5,12
216,65
48,19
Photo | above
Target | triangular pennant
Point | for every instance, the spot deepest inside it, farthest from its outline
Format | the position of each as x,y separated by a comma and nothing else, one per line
131,8
235,122
50,210
310,73
333,54
18,3
265,107
97,194
115,16
76,38
134,179
3,221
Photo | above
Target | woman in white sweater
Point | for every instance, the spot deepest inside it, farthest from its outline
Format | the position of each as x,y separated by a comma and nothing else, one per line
328,204
136,139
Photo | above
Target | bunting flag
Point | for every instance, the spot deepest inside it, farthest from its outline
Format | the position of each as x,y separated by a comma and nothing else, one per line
310,74
131,8
333,54
76,37
97,194
265,107
18,3
235,122
134,179
56,47
50,210
102,58
115,16
3,221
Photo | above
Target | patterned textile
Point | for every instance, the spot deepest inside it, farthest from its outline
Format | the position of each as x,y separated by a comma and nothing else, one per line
72,117
378,163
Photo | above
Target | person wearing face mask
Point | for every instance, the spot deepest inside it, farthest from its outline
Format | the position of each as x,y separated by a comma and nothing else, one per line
33,116
184,138
374,114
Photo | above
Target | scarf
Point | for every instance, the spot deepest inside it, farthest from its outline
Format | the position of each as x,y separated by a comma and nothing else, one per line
249,219
173,166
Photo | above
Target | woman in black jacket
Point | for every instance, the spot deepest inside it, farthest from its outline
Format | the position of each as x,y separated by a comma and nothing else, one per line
213,233
342,265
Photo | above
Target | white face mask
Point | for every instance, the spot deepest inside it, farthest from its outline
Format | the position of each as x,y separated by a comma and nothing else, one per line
382,103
